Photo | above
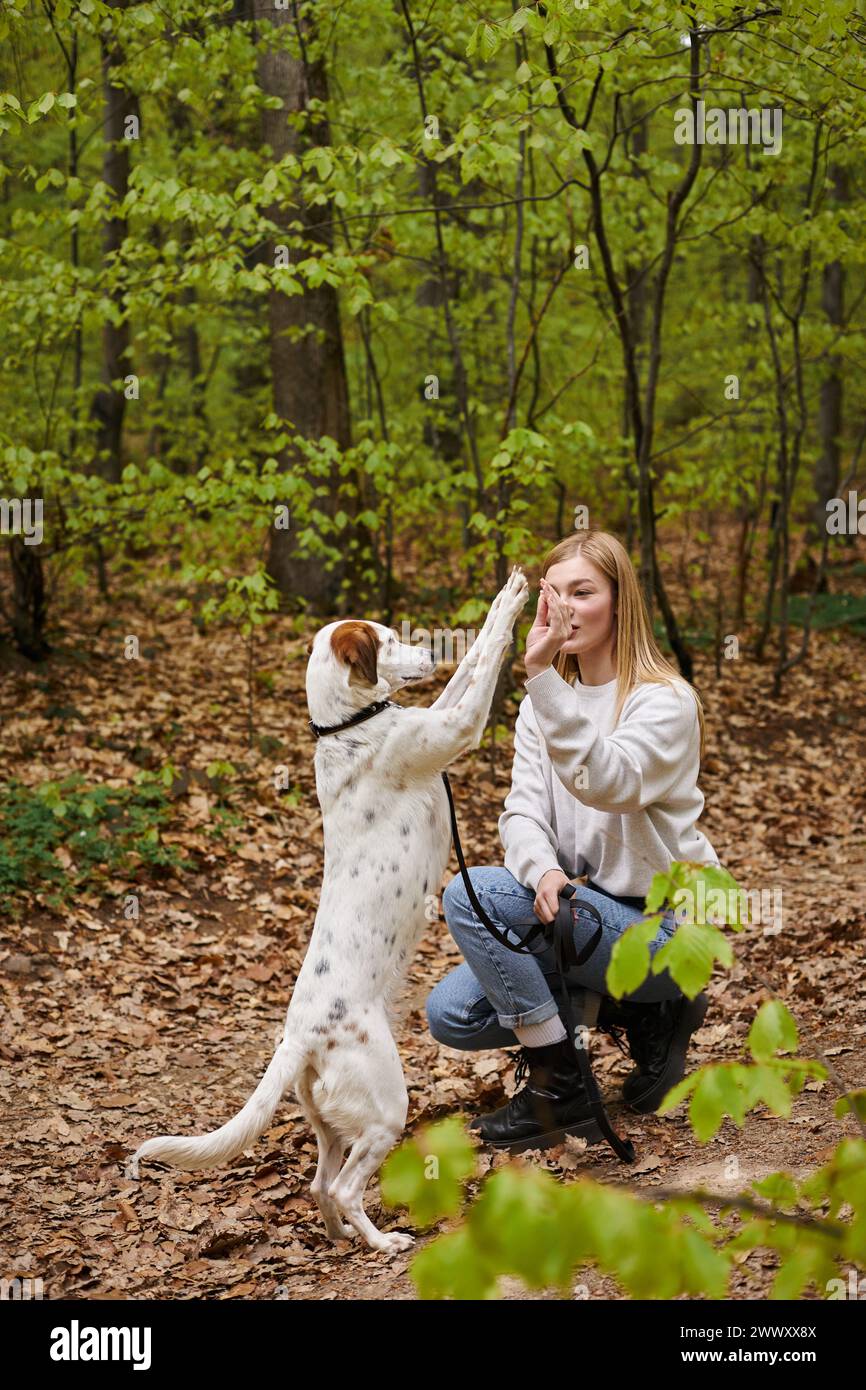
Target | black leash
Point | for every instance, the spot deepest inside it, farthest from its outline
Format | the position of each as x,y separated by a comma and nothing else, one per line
560,934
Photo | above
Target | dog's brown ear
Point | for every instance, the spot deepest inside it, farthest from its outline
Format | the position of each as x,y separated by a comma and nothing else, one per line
357,645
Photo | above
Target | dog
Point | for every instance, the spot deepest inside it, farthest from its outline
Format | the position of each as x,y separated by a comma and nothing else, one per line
387,840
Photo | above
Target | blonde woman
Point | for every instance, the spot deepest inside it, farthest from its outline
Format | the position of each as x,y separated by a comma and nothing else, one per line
607,751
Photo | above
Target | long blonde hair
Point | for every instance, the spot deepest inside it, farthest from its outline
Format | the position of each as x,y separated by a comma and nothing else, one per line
637,655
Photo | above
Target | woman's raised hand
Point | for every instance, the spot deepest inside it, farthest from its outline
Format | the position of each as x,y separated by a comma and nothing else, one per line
552,627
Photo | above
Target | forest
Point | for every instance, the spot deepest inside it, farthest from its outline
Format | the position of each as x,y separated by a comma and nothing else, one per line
319,309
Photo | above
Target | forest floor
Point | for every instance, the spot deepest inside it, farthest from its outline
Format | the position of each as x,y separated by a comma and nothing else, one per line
113,1030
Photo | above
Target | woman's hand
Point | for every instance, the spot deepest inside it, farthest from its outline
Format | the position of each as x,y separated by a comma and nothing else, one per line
547,902
552,627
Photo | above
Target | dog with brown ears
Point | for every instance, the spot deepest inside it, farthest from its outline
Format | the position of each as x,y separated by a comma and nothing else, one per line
387,841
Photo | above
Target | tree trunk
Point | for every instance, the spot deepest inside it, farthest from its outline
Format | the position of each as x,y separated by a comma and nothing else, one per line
29,606
826,473
109,402
308,368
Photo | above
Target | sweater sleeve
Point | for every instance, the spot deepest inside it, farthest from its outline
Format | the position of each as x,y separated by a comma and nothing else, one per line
654,745
525,824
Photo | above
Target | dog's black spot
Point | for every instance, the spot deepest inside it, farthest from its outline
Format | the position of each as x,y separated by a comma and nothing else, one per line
327,935
355,872
317,1028
424,889
395,867
392,938
322,967
381,868
399,893
338,1008
369,815
404,828
414,902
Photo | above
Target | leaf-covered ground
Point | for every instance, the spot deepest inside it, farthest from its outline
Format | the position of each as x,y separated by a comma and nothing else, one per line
115,1029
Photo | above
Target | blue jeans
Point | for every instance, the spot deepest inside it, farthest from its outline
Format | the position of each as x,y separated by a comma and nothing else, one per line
494,990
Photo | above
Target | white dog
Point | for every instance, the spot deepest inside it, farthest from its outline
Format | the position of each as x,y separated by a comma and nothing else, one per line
387,842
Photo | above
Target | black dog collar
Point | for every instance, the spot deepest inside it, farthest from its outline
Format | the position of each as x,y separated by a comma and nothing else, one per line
320,729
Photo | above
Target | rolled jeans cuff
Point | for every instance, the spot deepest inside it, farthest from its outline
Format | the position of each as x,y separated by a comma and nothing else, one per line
539,1014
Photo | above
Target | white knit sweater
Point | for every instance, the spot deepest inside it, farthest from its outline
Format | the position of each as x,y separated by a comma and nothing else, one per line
618,804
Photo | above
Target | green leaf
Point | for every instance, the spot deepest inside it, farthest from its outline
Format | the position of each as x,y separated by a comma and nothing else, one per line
689,956
773,1030
451,1267
516,1224
716,1094
630,959
778,1188
426,1173
489,43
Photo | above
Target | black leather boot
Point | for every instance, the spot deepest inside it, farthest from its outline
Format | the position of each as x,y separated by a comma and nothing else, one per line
658,1038
552,1104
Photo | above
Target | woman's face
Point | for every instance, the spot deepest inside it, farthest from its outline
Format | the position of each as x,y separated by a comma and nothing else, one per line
588,596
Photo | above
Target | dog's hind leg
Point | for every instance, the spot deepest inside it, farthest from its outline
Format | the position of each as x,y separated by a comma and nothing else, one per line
367,1155
365,1097
331,1150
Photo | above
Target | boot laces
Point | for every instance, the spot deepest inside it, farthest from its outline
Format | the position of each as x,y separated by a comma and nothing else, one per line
617,1033
521,1071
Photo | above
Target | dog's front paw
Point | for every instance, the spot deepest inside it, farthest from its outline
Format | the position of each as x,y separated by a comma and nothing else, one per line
513,598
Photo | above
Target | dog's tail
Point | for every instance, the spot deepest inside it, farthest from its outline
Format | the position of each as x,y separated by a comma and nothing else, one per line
232,1138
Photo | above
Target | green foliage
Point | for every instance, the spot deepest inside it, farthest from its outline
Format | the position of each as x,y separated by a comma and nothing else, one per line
703,894
731,1088
428,1171
831,611
62,837
524,1224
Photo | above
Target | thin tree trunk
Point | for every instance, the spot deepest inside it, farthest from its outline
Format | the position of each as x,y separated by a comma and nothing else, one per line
110,402
29,607
826,472
308,369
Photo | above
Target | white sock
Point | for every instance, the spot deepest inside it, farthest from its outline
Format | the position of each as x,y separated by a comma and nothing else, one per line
540,1034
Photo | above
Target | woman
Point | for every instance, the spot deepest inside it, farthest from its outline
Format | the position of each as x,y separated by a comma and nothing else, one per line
607,751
